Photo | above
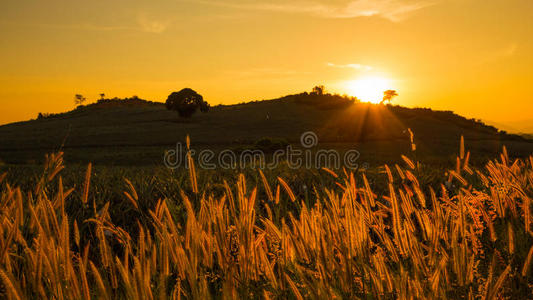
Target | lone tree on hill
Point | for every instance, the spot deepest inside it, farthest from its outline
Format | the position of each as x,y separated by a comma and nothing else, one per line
388,95
102,95
79,99
186,102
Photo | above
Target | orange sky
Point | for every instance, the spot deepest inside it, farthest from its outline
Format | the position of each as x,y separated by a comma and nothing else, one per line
470,56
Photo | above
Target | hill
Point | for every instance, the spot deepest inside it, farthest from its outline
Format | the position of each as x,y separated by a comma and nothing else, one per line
119,131
518,127
524,126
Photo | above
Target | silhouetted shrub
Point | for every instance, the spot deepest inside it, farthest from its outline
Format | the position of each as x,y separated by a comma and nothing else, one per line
42,116
131,100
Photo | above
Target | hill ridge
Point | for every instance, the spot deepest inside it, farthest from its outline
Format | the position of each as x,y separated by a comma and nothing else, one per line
137,123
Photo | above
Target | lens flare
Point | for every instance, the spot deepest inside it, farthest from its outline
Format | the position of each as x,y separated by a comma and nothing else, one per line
369,89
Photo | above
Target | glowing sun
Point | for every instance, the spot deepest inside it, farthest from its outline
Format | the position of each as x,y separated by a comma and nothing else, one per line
369,89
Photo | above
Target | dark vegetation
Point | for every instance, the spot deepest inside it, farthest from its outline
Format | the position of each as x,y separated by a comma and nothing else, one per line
102,103
135,131
319,99
186,102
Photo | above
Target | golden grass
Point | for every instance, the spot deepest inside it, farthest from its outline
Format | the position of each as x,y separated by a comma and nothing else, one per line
409,243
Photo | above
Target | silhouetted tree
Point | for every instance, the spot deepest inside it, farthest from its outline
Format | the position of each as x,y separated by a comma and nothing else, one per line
318,90
79,99
102,95
388,95
186,102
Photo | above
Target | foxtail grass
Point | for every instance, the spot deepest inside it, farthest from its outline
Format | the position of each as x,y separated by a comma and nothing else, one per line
411,242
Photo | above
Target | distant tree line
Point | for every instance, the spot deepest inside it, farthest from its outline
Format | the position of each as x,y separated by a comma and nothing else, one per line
185,102
79,100
133,99
319,98
42,116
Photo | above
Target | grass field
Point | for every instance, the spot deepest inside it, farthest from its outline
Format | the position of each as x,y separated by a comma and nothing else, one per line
402,231
431,221
404,172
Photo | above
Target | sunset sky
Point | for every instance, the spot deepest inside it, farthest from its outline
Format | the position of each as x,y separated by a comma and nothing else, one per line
474,57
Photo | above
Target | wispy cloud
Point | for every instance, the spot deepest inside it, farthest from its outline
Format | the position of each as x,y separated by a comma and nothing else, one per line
393,10
351,66
152,25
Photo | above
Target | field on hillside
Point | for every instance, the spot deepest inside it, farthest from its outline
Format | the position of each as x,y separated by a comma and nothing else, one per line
402,231
126,132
